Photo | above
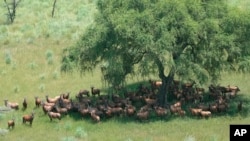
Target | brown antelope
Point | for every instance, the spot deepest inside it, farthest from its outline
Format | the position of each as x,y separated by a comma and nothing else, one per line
25,103
95,91
37,102
12,105
28,118
53,115
11,124
95,117
52,100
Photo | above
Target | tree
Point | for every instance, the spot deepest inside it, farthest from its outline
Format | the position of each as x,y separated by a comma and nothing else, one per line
238,24
173,38
11,8
53,9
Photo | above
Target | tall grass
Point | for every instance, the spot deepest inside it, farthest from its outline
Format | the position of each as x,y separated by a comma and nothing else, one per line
29,26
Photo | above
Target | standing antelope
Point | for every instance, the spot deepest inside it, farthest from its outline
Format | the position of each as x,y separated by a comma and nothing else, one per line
28,118
37,101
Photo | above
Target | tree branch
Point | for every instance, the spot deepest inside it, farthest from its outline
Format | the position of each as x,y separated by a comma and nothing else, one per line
8,8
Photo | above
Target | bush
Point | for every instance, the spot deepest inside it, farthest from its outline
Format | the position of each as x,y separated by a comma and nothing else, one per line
33,65
8,58
189,138
80,133
49,57
42,87
42,76
3,131
3,72
55,75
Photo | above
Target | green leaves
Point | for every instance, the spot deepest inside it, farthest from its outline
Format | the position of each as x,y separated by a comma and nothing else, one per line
244,65
149,36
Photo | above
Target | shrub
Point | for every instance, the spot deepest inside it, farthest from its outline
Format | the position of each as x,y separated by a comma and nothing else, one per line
55,75
189,138
8,58
3,72
49,53
42,87
3,131
80,133
49,57
32,65
42,76
30,40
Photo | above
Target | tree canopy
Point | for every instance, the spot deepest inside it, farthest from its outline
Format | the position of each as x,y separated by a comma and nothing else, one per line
191,39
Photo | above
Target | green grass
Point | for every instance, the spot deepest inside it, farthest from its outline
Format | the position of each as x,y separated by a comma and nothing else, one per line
31,50
26,81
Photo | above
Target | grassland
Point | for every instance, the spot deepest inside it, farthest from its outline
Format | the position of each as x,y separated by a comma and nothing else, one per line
31,50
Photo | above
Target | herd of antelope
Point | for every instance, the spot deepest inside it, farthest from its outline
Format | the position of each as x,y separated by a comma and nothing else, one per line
141,103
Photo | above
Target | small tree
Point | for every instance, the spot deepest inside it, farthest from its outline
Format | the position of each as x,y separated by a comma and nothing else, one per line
53,9
11,8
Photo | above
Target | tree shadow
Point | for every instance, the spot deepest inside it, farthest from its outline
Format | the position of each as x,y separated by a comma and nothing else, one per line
232,111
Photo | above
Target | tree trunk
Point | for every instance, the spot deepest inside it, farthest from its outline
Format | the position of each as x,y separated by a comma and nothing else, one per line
169,82
162,92
165,89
